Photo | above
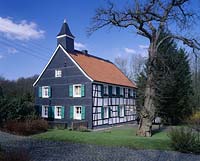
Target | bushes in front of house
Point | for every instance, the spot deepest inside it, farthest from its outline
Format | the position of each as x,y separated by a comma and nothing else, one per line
187,138
26,127
194,122
16,109
18,115
184,139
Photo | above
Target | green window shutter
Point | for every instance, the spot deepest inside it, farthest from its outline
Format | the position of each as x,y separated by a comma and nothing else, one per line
129,92
39,110
121,93
110,90
118,109
82,112
124,111
62,112
71,112
49,91
102,112
134,94
109,112
118,91
51,112
82,90
71,90
40,92
102,90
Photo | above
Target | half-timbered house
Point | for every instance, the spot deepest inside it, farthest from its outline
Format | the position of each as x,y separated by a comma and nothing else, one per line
77,86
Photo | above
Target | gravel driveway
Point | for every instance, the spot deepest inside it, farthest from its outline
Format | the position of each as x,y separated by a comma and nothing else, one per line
63,151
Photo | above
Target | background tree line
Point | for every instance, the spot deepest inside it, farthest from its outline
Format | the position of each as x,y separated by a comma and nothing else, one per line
16,99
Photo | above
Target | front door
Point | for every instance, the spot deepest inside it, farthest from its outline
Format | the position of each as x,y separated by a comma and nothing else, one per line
77,113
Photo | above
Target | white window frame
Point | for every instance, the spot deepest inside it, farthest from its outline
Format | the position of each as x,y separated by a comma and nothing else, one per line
131,92
106,112
126,92
74,94
121,91
121,112
75,113
105,88
58,73
56,116
43,91
132,109
45,108
114,90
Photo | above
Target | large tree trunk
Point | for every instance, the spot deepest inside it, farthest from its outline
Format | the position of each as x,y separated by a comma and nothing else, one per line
148,111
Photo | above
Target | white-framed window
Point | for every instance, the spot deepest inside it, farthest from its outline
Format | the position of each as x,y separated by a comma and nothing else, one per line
132,109
57,112
58,73
77,90
77,112
106,112
121,111
131,92
126,92
105,89
44,111
114,90
121,91
45,91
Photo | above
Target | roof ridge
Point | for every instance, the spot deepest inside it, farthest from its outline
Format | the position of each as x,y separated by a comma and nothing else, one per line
90,55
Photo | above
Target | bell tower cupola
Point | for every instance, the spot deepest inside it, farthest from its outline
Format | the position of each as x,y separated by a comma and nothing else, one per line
65,38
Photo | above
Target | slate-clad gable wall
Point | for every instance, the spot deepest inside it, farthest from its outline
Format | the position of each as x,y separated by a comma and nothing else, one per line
60,86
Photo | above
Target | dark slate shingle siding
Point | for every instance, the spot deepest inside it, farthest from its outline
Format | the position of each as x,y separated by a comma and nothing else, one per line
60,86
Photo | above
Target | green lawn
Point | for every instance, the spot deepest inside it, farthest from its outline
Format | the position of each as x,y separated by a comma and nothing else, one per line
123,136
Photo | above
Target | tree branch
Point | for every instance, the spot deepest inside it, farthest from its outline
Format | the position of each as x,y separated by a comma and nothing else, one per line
193,43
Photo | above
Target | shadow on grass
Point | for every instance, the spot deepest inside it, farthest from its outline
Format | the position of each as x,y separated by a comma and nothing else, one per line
156,129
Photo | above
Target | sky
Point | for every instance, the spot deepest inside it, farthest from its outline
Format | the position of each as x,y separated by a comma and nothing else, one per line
28,30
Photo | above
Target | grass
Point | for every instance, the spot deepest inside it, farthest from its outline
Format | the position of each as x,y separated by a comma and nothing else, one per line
118,136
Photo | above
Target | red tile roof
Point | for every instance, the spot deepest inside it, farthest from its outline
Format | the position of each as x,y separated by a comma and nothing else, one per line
101,70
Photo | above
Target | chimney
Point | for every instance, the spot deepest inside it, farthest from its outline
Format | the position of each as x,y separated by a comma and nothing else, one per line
84,51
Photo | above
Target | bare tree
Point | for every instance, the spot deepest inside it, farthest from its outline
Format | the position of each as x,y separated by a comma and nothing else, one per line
136,63
149,18
122,64
131,66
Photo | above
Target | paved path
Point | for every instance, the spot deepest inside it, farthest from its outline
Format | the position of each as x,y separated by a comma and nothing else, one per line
63,151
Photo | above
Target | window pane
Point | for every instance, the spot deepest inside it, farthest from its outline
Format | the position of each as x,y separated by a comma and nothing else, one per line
45,91
77,90
58,73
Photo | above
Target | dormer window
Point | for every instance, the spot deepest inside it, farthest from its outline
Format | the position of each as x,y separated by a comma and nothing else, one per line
58,73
